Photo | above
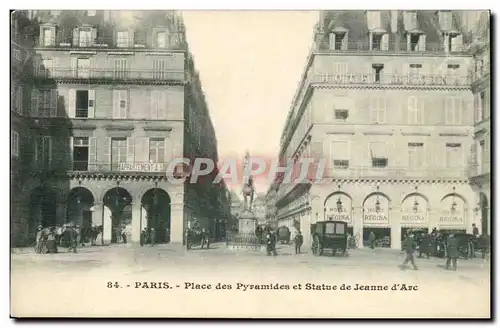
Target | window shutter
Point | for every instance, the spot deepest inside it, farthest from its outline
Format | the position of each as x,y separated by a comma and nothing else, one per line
154,104
332,41
345,41
76,37
71,149
106,160
116,103
72,103
385,42
422,42
93,154
154,37
124,97
163,105
20,100
446,42
91,108
53,103
131,34
35,100
74,67
47,149
41,40
130,150
456,43
36,65
92,67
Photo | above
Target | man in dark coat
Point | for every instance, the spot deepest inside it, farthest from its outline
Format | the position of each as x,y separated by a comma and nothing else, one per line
409,247
299,240
39,240
73,239
425,246
452,252
152,236
371,240
271,243
475,230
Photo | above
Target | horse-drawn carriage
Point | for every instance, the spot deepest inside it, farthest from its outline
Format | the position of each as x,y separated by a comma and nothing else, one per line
283,235
197,237
329,235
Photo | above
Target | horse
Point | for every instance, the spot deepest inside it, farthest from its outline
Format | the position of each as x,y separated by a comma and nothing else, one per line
91,234
196,237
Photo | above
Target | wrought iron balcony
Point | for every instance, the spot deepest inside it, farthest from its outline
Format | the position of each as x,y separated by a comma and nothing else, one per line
109,74
134,167
106,43
389,47
391,79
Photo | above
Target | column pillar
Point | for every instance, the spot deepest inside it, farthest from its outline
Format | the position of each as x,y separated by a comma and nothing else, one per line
395,225
357,224
176,222
136,222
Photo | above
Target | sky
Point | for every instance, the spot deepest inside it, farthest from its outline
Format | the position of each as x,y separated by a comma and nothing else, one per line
250,65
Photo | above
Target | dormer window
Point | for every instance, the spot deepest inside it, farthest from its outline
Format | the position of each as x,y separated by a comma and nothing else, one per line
161,39
84,36
47,36
453,41
416,40
338,39
91,13
445,20
124,38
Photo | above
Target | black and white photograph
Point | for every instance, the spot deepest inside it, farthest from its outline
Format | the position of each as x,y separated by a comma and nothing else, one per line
250,163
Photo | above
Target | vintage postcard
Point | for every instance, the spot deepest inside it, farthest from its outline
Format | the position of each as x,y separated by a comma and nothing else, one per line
250,164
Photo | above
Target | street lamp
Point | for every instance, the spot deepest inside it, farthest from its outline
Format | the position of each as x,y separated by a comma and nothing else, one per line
454,204
377,203
415,203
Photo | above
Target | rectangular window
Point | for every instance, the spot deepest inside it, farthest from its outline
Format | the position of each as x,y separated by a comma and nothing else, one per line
415,72
379,155
161,39
482,106
122,39
82,103
118,152
16,54
14,143
159,69
454,157
120,70
83,68
80,154
377,72
416,155
46,67
48,37
341,114
19,100
157,150
339,153
85,37
43,152
416,110
44,103
453,114
377,109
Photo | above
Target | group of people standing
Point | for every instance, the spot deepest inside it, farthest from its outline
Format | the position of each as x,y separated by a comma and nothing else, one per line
48,239
272,239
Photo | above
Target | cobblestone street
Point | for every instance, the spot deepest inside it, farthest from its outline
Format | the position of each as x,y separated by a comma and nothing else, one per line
81,282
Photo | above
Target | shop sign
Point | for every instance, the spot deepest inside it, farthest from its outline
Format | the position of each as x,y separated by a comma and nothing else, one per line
335,214
451,219
413,218
374,216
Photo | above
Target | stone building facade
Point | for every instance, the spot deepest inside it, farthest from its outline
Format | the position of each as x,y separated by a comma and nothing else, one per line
386,99
114,97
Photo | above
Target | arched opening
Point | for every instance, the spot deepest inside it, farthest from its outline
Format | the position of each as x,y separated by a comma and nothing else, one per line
43,209
452,218
155,214
117,220
376,225
414,214
483,204
338,207
79,211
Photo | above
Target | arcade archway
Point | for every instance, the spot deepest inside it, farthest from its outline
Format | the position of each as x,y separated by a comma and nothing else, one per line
155,213
43,208
484,207
117,220
376,220
80,202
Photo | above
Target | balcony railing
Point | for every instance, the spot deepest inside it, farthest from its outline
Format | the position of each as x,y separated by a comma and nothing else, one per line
389,47
106,43
391,79
109,74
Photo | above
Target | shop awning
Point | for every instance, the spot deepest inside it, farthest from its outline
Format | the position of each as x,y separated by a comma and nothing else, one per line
378,149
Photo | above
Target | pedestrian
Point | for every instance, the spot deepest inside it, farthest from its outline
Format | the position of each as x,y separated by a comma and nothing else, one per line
271,243
425,246
142,240
39,236
299,240
152,236
452,252
409,246
73,239
371,240
475,230
124,235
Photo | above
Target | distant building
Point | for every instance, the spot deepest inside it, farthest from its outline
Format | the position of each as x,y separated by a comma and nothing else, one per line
259,208
114,96
386,98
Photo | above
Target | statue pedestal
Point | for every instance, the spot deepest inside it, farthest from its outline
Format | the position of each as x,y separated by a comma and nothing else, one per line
247,223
